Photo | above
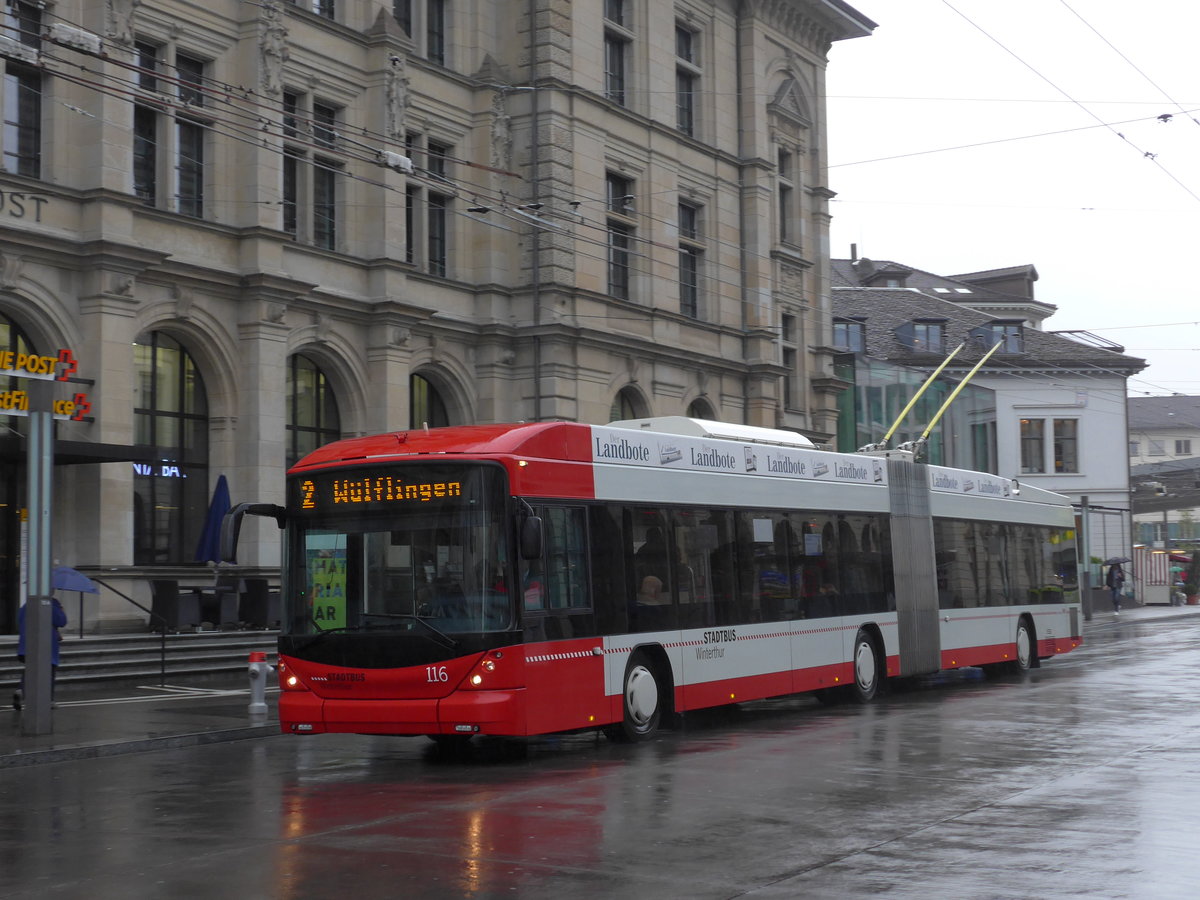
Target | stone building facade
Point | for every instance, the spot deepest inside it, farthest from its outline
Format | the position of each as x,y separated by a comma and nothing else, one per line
260,226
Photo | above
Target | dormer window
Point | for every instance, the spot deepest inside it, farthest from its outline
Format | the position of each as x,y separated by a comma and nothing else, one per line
923,335
929,336
850,335
1010,335
893,278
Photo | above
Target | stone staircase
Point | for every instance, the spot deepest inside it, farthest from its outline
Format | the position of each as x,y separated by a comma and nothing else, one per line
99,659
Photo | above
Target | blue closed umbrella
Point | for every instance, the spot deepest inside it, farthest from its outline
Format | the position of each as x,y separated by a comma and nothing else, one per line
209,547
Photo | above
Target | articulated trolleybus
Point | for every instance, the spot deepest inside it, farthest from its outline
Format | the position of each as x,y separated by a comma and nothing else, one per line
534,578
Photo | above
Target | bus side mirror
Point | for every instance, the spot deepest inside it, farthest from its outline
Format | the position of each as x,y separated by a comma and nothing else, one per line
231,525
531,537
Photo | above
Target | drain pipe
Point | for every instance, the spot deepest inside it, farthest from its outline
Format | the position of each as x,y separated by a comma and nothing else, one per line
743,251
536,243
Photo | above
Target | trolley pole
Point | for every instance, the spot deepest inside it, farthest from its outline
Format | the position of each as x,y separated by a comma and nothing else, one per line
39,613
1085,557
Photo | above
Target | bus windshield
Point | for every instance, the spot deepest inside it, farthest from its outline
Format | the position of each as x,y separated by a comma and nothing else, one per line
397,548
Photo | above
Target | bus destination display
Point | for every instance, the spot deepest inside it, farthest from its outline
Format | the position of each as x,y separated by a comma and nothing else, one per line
380,489
394,489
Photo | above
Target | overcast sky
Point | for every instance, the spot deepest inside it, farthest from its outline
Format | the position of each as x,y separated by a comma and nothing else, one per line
934,155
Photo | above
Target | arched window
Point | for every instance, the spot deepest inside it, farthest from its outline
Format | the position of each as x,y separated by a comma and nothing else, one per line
12,487
627,405
13,340
699,409
312,412
170,414
426,406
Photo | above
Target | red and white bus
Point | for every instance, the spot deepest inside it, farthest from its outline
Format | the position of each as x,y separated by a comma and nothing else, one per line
534,578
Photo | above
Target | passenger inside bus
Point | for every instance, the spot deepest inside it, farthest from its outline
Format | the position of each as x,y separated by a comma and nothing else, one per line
650,566
653,608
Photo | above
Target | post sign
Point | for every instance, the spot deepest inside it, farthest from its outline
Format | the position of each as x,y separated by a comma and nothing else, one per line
43,368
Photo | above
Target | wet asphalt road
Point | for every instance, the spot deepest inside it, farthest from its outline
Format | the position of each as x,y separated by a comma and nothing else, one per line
1082,780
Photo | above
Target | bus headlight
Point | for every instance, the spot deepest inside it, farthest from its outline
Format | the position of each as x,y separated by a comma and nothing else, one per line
491,672
289,681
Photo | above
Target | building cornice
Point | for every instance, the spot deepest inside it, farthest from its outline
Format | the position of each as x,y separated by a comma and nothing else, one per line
811,24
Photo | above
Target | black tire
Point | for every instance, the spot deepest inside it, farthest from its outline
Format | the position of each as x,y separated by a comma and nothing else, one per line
450,744
641,700
866,668
1024,657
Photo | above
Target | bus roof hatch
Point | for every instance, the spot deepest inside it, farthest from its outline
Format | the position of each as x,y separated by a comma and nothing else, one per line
705,428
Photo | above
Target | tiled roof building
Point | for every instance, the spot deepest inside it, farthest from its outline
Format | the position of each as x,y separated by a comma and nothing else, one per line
1059,415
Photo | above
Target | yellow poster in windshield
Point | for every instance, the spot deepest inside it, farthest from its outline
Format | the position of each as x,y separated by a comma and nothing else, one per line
327,579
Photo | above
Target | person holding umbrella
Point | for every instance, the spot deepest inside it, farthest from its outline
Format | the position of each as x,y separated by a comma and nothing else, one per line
1115,581
59,620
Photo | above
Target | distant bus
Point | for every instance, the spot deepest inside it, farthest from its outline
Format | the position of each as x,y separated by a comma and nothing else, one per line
535,578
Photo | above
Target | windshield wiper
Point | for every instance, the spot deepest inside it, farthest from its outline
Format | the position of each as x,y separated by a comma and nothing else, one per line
445,639
323,632
437,635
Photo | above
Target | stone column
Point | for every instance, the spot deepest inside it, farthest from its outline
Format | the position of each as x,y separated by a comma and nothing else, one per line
98,505
259,441
389,363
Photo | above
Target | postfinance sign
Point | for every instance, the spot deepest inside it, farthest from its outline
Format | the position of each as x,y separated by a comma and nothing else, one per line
16,403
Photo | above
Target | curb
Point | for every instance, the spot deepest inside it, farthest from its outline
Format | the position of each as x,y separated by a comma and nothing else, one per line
20,759
1159,614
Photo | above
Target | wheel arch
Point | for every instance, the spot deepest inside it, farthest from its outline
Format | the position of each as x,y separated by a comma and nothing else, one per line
656,654
873,631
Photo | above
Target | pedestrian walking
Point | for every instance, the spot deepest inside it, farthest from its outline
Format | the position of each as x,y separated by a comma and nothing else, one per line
58,620
1115,581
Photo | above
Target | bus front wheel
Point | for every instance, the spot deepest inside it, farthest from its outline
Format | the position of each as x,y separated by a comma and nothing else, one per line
642,701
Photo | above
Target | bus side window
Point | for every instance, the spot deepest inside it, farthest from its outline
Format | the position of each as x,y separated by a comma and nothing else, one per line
703,565
608,570
654,607
651,565
758,571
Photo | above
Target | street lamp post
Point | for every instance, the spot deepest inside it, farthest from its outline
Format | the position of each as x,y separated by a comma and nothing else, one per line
39,613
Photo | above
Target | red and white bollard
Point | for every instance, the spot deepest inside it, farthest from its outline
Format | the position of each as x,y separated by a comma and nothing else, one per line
258,683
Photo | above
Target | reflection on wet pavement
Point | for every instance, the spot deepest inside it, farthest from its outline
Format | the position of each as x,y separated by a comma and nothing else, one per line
1080,780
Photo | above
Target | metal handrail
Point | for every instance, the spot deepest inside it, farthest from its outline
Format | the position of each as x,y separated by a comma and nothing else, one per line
162,652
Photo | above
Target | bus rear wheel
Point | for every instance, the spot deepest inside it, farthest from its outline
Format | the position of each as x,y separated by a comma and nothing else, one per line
1023,660
642,701
866,668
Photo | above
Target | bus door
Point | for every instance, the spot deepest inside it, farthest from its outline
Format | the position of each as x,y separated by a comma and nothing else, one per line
703,546
555,600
